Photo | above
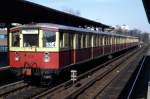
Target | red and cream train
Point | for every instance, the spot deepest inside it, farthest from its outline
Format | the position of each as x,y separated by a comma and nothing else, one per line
44,50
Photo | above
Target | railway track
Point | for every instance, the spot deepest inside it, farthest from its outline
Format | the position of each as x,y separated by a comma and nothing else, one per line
20,90
88,82
26,93
10,88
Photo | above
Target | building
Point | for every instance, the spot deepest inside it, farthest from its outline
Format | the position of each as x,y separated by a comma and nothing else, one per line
3,40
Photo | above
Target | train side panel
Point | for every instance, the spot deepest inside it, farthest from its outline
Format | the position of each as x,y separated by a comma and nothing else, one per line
34,60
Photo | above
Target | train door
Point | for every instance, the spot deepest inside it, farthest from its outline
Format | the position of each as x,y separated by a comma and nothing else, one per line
30,42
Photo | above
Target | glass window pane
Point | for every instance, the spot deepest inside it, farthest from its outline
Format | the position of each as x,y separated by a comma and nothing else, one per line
30,40
66,40
15,39
61,40
79,41
71,38
49,39
84,41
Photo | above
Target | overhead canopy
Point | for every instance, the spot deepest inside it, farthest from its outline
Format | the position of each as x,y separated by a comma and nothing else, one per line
21,11
146,4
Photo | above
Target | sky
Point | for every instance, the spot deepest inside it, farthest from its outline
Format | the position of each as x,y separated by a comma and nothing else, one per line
110,12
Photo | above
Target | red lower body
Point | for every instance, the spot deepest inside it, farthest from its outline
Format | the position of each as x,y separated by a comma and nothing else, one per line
58,60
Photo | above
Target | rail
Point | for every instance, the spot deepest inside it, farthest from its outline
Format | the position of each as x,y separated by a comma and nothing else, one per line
4,68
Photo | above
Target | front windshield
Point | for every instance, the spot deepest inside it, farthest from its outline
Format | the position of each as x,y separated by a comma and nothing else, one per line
49,39
30,40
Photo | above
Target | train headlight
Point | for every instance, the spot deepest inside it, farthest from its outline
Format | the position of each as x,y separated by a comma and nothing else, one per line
46,57
17,57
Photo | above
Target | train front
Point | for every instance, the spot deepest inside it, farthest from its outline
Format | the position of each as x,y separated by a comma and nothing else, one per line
34,51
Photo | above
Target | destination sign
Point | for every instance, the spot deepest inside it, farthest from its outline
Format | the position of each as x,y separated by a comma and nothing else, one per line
30,31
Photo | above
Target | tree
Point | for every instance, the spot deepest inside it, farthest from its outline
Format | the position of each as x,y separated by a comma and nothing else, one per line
71,11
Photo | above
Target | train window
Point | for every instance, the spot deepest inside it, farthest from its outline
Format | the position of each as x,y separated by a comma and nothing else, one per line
110,40
61,40
49,39
15,39
97,41
105,40
89,41
102,41
120,40
30,40
71,38
64,40
83,41
79,41
86,40
116,40
94,41
113,40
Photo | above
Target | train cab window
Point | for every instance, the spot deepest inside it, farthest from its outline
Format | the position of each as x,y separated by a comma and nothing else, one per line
49,39
30,40
15,39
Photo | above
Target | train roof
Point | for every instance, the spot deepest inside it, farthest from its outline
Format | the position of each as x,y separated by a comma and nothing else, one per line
63,27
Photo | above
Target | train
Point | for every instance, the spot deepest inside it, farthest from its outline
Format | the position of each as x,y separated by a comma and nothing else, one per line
43,50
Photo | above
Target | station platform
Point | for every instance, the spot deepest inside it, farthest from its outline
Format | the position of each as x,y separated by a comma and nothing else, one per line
148,75
142,85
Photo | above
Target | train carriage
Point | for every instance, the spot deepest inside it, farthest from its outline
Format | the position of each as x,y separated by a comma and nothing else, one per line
44,49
